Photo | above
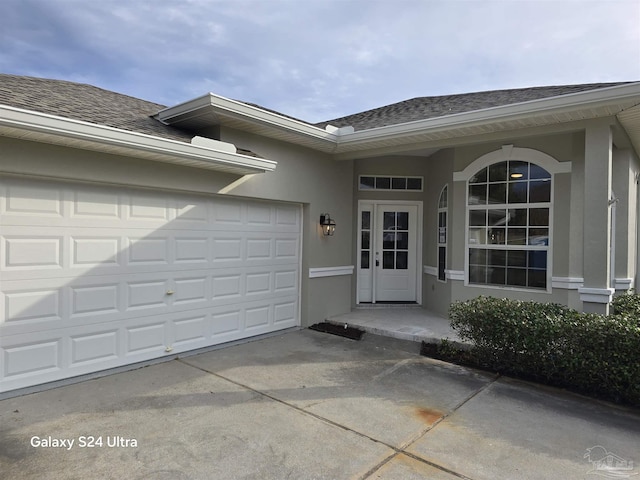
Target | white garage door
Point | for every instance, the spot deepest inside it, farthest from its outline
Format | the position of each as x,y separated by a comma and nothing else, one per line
95,277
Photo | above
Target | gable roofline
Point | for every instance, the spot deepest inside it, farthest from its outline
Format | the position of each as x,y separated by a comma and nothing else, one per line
41,127
212,110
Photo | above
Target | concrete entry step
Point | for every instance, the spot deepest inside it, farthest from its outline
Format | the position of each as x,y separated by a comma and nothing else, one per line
406,323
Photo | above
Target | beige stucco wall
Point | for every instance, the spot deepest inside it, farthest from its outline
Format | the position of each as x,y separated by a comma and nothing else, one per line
302,176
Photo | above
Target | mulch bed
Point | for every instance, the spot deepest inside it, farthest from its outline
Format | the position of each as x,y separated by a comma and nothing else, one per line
340,330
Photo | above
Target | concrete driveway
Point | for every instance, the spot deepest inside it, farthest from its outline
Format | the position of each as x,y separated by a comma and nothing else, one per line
308,405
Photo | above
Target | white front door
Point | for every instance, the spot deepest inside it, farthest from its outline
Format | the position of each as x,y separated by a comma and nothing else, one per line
388,259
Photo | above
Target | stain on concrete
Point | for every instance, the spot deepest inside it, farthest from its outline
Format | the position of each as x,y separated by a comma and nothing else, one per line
428,415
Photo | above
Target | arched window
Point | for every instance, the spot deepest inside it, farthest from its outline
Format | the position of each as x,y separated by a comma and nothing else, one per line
442,234
508,225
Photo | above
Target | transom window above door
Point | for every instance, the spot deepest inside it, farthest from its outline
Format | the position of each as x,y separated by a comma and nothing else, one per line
390,183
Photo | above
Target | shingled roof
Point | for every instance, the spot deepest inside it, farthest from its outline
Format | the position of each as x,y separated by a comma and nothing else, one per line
86,103
421,108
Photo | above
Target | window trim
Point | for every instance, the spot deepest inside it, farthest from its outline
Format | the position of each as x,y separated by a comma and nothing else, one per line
506,153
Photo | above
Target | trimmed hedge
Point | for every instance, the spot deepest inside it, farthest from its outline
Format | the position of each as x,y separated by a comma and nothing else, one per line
589,353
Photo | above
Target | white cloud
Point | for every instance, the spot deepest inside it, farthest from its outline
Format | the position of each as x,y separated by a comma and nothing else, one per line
320,59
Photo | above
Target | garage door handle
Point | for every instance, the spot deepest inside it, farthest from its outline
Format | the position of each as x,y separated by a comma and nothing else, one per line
170,292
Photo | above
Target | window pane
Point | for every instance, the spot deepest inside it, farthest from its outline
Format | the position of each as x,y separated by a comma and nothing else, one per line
496,276
537,279
367,183
540,191
538,236
442,219
402,241
477,256
517,277
518,170
442,263
366,220
477,274
414,184
387,260
497,236
364,260
401,260
517,258
538,259
498,193
388,240
517,216
399,183
365,241
497,217
383,183
479,177
518,192
389,220
442,234
497,258
477,217
403,220
516,236
477,194
498,172
538,172
539,217
477,236
443,199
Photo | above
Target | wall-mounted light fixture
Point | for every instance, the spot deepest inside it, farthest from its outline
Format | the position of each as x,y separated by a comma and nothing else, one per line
327,224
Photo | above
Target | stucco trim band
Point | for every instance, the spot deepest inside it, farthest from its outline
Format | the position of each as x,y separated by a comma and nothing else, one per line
330,271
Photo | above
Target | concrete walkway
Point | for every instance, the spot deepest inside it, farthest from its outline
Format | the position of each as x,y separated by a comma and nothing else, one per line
308,405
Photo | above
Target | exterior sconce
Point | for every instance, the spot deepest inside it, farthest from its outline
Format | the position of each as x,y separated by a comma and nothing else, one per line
328,225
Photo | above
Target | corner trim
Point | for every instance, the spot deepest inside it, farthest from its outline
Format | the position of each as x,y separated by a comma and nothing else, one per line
318,272
596,295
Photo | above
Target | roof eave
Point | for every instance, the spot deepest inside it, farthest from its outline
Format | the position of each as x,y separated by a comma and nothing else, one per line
36,126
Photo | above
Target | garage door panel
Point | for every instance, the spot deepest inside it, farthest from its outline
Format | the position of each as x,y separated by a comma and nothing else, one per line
29,358
27,252
24,201
94,347
95,277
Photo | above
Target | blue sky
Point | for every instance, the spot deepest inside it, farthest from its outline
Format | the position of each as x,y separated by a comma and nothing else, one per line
320,59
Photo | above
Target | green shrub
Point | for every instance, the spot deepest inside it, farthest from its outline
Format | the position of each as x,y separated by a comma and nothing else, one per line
627,304
589,353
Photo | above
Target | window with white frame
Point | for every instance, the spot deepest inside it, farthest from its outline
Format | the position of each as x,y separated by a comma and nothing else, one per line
442,234
508,225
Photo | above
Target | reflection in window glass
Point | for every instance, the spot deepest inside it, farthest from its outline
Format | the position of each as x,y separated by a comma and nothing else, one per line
367,183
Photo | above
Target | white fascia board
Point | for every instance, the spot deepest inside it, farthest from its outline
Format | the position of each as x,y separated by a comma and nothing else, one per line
222,105
553,105
93,135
